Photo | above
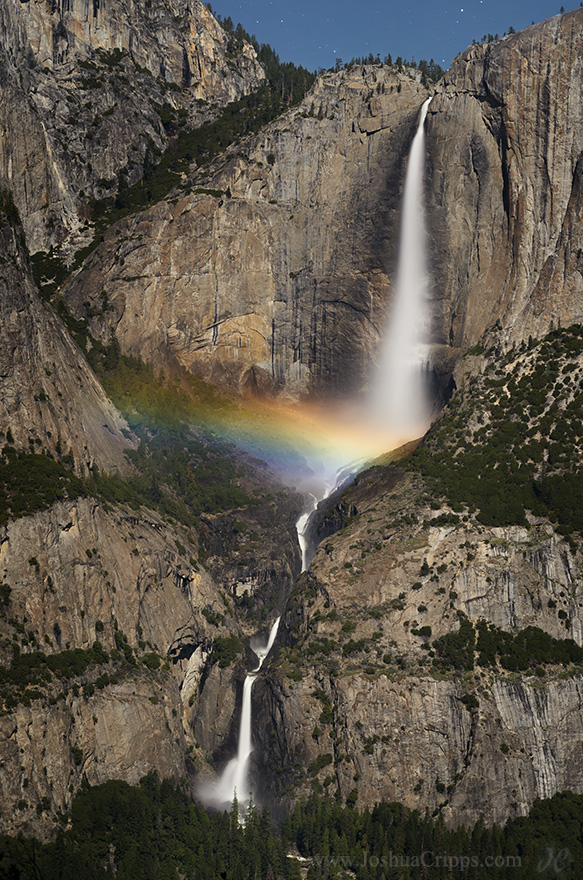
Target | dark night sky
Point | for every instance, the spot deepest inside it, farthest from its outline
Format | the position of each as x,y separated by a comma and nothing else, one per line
316,33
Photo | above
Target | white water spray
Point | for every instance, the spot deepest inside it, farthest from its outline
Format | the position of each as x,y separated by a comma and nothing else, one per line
399,397
319,487
234,781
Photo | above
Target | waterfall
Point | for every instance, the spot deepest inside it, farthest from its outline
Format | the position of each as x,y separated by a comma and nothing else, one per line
321,485
302,530
399,398
397,404
234,781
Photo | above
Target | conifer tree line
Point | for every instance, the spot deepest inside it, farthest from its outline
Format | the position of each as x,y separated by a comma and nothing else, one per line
154,832
273,67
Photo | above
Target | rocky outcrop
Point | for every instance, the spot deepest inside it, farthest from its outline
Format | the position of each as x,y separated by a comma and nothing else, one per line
83,88
353,694
415,741
50,398
123,731
272,271
83,572
298,299
80,573
505,147
97,571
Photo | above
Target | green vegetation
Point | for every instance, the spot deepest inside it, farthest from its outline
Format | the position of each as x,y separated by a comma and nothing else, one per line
285,86
513,441
512,651
227,649
471,701
49,272
32,481
320,762
456,650
521,651
179,469
389,841
7,206
181,476
29,675
153,832
150,832
431,72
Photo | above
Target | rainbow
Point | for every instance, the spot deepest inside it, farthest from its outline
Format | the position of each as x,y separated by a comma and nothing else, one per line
304,441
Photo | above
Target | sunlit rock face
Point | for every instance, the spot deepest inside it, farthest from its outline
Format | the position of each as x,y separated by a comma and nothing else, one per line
283,285
505,140
83,84
83,571
50,397
287,284
352,694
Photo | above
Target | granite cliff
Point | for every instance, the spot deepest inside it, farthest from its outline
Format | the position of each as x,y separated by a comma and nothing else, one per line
114,619
354,697
505,141
88,95
299,302
450,580
302,294
50,397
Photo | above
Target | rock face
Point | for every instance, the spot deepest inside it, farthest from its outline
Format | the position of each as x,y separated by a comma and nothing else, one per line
272,271
83,86
352,695
84,572
122,732
108,576
301,297
49,394
506,230
298,299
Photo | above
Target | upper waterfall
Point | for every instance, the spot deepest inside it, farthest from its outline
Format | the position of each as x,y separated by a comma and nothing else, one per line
399,398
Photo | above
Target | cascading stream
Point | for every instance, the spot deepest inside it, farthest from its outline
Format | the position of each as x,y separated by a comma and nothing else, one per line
320,488
399,398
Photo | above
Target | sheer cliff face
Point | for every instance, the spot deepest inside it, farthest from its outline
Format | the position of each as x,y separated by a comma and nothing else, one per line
353,680
86,571
505,148
49,395
273,271
98,574
291,275
82,84
286,281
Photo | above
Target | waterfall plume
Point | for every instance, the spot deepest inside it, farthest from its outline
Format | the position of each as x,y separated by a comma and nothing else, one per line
399,400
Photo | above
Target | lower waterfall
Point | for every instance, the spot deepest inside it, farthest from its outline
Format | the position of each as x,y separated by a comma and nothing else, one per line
234,781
